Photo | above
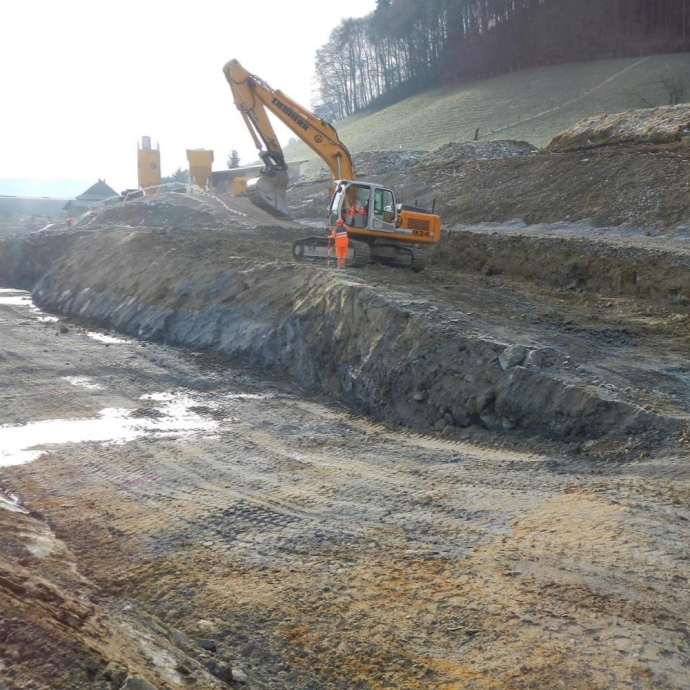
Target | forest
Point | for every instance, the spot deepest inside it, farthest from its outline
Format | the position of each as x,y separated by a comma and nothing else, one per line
405,46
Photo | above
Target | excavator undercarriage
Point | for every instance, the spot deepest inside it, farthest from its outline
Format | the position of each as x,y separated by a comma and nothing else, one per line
321,250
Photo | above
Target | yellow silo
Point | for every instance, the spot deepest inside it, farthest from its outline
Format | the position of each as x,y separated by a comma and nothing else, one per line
200,165
149,162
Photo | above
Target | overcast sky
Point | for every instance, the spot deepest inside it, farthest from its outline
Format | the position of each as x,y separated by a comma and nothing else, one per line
83,80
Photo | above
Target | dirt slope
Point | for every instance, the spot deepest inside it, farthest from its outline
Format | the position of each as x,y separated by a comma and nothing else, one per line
637,185
530,533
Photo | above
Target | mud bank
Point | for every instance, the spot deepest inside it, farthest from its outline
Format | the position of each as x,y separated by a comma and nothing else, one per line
56,625
392,356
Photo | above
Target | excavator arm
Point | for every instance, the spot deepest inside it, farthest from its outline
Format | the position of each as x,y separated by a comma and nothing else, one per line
255,99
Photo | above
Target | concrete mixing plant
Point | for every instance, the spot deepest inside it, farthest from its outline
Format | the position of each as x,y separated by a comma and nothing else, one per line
149,166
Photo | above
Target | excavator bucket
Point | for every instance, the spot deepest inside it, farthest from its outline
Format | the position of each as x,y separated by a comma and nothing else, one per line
268,193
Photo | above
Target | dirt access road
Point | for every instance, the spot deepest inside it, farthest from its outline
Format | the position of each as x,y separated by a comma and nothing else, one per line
315,548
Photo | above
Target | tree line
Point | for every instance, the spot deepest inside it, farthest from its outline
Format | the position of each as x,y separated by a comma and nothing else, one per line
405,46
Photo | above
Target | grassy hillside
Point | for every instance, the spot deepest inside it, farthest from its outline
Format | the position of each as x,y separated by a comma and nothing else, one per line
533,105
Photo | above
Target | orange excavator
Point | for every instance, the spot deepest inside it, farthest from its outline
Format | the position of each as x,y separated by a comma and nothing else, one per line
379,229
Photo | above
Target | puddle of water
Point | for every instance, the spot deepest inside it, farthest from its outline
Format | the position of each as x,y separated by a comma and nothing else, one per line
83,382
11,297
15,297
174,419
102,338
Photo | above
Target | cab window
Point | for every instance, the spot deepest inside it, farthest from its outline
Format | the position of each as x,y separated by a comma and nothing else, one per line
384,205
335,205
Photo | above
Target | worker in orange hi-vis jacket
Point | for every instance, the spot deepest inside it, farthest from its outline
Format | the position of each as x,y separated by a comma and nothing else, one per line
354,210
342,243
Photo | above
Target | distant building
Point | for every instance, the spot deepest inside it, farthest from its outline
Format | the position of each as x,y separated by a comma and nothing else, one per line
94,196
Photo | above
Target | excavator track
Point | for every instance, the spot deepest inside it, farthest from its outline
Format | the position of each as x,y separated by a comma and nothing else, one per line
418,260
399,255
318,249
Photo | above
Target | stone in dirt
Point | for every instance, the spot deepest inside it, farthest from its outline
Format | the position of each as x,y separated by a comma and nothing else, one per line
208,645
239,676
116,673
221,670
512,356
180,639
137,682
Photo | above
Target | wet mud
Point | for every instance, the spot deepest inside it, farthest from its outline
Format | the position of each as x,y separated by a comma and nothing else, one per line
225,469
300,545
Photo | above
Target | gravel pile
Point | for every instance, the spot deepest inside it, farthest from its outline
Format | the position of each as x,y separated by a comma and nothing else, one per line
384,162
166,210
458,153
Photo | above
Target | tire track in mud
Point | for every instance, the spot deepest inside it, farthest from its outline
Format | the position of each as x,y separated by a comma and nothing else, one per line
326,549
264,522
345,486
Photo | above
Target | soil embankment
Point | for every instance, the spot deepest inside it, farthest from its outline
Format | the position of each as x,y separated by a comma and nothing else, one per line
608,186
397,356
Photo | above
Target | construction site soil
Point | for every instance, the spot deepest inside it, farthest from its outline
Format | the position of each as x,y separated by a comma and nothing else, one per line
221,468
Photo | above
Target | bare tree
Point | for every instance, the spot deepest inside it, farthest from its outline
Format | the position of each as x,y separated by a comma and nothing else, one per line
675,86
408,45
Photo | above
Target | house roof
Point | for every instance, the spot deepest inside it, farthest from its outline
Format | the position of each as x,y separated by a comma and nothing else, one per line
97,192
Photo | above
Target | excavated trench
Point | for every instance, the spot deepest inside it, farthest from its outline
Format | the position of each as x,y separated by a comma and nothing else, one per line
604,262
392,354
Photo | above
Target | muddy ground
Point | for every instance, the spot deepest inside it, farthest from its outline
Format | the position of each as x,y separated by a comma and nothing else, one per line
475,477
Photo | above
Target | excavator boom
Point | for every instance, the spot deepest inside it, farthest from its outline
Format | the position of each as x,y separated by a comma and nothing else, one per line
255,99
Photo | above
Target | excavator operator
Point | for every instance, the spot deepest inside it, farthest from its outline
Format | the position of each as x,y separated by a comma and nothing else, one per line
342,243
354,211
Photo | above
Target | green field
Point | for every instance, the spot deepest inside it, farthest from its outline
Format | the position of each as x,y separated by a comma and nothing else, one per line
533,105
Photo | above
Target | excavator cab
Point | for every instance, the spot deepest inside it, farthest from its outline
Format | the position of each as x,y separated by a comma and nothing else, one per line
363,206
